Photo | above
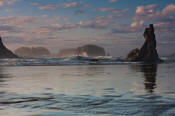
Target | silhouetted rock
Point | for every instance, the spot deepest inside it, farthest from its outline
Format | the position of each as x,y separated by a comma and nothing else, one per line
6,53
91,50
148,51
86,50
32,52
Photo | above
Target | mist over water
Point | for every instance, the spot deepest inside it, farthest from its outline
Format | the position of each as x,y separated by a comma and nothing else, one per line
81,90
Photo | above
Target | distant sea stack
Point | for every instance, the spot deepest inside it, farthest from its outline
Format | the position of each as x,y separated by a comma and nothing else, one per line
91,50
148,51
86,50
32,52
4,52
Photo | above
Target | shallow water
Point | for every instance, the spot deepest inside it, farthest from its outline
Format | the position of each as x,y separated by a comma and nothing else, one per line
88,90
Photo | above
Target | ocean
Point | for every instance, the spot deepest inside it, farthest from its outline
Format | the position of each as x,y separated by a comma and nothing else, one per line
74,87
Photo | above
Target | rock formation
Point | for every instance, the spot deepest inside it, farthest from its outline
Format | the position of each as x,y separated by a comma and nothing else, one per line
86,50
91,50
32,52
148,51
6,53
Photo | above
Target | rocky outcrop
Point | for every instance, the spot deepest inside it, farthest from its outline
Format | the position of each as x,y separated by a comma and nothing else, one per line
91,50
4,52
32,52
86,50
148,51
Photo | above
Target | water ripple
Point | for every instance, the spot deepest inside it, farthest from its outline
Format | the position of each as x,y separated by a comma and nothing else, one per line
111,105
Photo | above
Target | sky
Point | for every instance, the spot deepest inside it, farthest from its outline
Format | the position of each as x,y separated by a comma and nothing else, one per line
116,25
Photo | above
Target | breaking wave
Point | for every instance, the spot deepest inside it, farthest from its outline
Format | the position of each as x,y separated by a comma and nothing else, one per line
69,61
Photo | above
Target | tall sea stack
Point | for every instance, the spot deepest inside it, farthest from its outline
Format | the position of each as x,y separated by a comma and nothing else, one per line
6,53
148,51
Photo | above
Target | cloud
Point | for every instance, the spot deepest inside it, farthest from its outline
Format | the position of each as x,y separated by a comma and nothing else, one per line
20,21
150,13
96,23
163,19
7,2
170,9
113,10
145,10
101,22
8,10
92,24
48,7
25,26
74,5
11,29
137,24
1,3
45,7
113,0
54,7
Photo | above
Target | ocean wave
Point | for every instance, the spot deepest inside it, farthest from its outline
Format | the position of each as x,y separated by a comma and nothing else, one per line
69,61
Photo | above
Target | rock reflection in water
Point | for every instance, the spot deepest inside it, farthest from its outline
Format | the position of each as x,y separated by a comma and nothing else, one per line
149,71
3,79
3,76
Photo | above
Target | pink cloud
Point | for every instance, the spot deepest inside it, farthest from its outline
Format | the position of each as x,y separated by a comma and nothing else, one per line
170,9
7,2
54,7
150,13
73,4
114,10
113,0
164,19
144,10
48,7
1,3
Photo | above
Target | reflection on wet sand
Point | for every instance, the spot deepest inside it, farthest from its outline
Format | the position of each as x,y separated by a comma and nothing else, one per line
83,90
149,71
3,76
3,79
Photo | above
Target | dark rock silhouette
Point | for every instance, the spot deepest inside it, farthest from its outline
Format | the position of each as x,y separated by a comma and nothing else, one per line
86,50
91,50
4,52
148,51
32,52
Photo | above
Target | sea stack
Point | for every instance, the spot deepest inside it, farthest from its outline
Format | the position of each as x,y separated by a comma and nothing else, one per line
148,51
36,52
6,53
